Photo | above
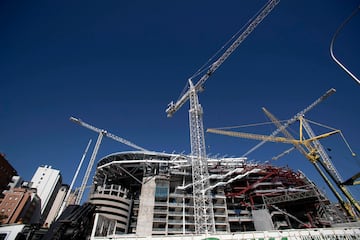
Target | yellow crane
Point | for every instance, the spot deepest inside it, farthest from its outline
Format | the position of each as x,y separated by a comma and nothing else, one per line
354,180
323,158
308,149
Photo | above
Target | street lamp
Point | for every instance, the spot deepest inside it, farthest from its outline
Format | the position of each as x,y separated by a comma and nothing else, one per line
332,44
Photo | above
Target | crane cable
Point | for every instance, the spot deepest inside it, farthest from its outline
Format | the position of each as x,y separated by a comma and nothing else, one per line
313,122
246,125
341,134
207,64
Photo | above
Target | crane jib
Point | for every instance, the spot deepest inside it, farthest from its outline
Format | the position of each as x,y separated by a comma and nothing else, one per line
173,107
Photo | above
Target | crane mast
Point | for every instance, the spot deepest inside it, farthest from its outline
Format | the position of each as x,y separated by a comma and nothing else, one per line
102,133
65,201
321,151
88,169
329,167
203,208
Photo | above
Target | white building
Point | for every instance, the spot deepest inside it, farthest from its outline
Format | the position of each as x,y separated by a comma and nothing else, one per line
47,182
51,217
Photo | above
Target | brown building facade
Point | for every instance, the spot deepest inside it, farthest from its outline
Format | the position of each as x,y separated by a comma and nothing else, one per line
6,173
20,205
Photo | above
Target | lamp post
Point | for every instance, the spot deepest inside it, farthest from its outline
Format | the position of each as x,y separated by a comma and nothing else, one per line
332,45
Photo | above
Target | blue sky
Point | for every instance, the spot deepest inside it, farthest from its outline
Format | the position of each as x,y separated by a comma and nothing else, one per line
117,64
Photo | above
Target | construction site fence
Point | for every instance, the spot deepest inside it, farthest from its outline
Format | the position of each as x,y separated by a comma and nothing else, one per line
290,234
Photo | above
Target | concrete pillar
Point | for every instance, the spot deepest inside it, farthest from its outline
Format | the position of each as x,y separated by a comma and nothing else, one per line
146,207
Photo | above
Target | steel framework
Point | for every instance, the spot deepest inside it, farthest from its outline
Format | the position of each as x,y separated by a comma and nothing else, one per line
203,208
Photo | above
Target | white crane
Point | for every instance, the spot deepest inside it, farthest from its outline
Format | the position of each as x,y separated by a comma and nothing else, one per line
203,209
65,201
102,133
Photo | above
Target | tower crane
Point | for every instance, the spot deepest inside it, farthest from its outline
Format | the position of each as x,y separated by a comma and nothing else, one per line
203,209
101,133
307,147
199,86
65,201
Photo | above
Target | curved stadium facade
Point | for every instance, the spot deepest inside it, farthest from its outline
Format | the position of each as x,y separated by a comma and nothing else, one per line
150,193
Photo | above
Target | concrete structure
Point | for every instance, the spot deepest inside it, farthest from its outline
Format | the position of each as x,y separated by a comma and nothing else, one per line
47,182
16,182
56,205
157,196
114,203
6,173
20,205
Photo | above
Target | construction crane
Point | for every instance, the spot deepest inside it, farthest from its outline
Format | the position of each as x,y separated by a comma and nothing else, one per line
65,201
329,167
203,209
267,138
323,158
101,133
294,118
199,86
319,147
353,180
308,149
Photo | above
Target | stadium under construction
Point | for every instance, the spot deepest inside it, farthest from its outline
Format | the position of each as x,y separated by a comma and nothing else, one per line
151,195
145,194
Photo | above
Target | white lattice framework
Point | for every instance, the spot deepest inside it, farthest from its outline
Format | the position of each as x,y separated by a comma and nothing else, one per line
203,212
203,207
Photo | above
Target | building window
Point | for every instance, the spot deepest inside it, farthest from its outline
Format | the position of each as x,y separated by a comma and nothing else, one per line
161,191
